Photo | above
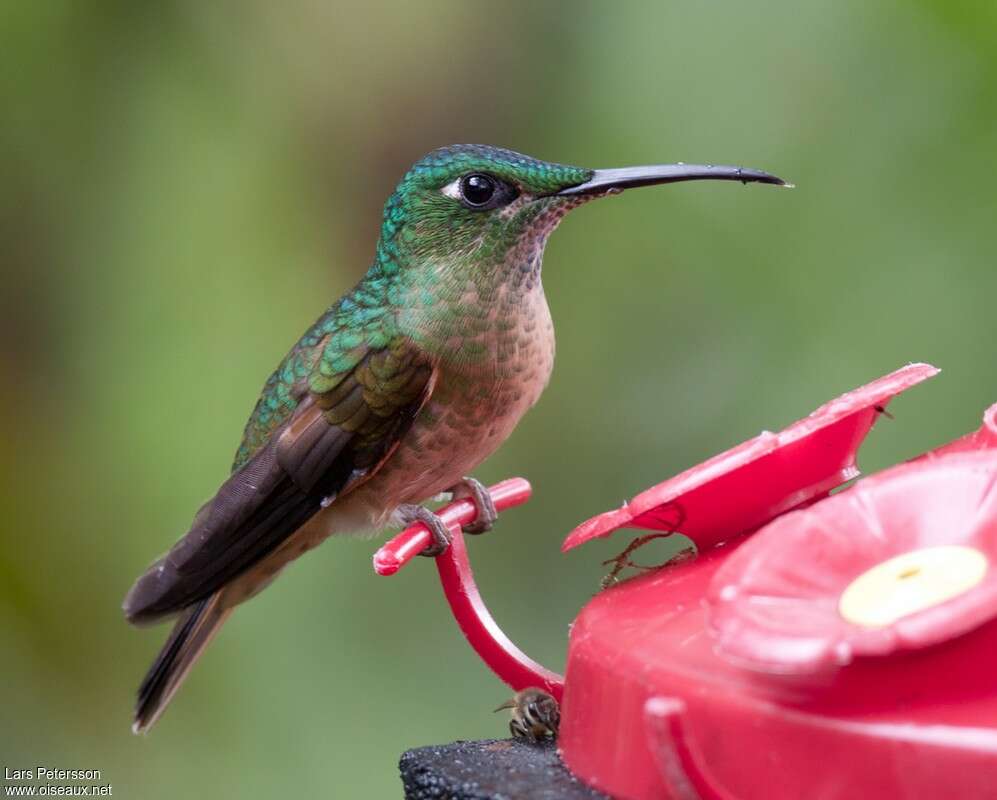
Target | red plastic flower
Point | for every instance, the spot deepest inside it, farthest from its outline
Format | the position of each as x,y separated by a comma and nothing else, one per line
902,560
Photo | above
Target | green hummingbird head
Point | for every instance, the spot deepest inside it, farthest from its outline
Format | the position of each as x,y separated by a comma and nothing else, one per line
479,212
475,207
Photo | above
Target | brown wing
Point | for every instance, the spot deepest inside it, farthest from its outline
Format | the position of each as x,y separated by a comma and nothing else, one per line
343,429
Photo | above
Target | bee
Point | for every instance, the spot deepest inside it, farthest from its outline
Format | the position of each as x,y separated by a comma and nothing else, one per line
535,715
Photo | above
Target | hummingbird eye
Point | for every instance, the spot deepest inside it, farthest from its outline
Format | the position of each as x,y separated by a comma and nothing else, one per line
479,191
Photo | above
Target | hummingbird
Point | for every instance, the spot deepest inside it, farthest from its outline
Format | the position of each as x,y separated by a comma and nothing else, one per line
394,395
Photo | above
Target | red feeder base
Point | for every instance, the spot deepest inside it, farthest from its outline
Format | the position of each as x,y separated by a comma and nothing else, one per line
840,650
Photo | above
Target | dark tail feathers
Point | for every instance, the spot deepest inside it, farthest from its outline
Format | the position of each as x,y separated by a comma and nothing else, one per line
190,635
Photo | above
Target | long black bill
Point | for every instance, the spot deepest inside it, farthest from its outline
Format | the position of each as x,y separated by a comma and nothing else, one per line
603,180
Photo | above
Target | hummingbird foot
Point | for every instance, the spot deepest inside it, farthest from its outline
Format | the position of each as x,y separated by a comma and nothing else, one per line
476,491
408,513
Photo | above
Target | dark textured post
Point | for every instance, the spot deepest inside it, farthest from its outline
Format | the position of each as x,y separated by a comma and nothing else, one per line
492,769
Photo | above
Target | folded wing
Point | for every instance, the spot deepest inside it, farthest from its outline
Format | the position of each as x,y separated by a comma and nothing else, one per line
346,424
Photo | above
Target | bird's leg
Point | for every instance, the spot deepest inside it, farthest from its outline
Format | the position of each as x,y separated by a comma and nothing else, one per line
467,487
474,489
408,513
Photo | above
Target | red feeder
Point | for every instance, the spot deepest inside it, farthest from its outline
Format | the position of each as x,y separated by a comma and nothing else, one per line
837,650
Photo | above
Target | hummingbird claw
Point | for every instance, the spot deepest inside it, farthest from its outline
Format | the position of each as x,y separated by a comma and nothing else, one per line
476,491
409,513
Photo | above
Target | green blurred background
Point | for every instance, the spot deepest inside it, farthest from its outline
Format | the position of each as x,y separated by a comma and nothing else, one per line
186,186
